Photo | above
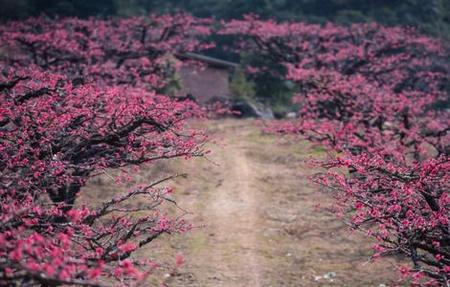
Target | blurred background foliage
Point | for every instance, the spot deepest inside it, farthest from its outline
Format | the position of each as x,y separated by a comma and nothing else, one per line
432,17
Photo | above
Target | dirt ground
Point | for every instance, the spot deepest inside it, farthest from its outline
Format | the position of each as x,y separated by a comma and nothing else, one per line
256,218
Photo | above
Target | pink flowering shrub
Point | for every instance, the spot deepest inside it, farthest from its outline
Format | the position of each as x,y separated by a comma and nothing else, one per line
372,94
79,97
130,51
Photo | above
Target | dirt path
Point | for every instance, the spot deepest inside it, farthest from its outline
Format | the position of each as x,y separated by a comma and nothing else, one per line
233,221
257,221
260,221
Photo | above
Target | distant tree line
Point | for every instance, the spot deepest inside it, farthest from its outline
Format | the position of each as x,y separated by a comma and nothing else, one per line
432,16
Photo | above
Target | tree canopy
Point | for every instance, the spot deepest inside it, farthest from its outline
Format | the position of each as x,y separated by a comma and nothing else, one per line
432,17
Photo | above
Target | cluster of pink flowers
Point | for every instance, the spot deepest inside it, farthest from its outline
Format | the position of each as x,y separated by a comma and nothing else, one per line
129,51
372,94
78,97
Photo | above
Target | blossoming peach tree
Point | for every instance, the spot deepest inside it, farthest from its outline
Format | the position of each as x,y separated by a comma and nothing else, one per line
130,51
79,97
374,96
